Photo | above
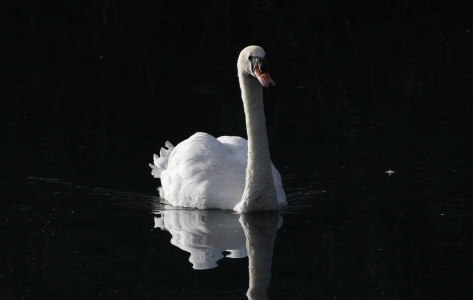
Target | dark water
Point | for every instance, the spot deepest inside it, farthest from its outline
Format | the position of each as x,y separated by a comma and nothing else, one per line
91,91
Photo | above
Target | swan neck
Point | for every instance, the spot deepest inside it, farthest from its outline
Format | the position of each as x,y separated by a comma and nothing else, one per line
255,120
260,192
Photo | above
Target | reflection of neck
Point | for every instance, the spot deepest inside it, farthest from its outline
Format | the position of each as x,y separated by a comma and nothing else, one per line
260,230
260,193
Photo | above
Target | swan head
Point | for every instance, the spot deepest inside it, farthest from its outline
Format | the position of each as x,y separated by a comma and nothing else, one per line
252,62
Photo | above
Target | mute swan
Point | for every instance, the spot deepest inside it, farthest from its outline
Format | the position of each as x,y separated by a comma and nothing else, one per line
228,172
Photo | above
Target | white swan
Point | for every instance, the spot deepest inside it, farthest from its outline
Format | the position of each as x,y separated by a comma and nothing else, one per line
228,172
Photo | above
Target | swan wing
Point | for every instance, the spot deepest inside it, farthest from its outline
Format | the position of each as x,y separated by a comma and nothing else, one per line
202,172
278,184
237,146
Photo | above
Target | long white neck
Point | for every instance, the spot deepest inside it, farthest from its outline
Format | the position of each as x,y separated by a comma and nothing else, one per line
260,193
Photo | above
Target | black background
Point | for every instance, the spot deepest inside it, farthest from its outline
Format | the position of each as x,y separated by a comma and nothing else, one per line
101,74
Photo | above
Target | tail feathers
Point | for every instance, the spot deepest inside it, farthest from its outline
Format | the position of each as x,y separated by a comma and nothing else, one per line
160,163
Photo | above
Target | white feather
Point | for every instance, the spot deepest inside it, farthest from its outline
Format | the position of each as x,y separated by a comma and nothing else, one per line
225,173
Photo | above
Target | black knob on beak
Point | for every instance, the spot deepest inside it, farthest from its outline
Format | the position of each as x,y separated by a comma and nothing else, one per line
263,65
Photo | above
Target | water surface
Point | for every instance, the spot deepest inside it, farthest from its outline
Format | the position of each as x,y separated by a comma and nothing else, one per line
350,230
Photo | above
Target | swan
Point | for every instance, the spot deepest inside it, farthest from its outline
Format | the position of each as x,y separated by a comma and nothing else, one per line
228,172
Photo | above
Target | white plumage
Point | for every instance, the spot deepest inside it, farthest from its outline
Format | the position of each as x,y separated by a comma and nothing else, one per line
228,172
205,172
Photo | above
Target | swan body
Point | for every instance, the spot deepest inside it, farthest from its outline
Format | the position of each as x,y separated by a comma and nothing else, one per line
226,172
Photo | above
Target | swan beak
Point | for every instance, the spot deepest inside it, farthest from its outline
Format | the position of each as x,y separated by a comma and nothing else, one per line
264,78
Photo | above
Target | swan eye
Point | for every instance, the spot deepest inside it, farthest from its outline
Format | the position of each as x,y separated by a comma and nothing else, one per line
250,57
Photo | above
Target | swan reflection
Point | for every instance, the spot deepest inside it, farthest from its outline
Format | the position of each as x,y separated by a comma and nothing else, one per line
204,234
207,235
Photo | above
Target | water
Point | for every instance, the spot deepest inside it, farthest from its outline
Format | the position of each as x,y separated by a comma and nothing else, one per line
91,94
350,231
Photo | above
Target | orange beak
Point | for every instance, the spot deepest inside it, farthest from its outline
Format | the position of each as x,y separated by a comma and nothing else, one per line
264,78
